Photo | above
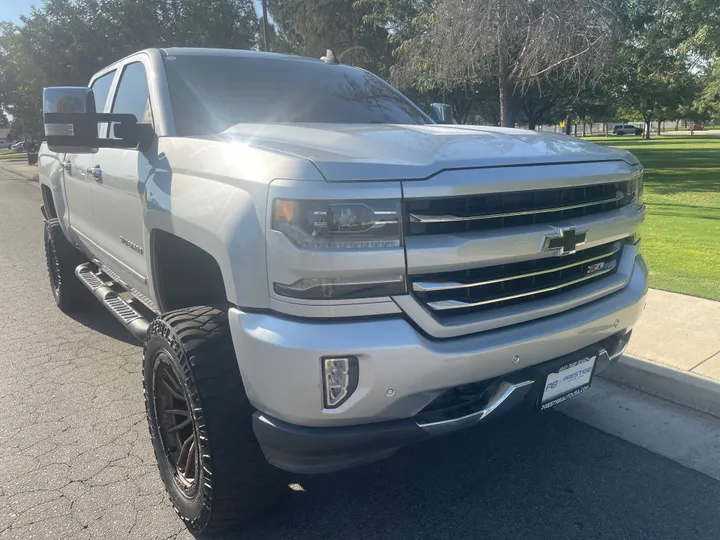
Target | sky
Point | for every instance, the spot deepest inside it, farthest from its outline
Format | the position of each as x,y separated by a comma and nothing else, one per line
10,10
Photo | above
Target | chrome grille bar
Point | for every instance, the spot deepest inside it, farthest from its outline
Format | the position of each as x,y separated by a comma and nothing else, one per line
426,218
426,286
458,304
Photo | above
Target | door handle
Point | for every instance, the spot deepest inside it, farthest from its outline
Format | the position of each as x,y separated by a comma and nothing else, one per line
68,167
95,172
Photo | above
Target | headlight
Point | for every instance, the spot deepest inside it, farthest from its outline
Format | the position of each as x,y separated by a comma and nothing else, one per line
637,188
339,225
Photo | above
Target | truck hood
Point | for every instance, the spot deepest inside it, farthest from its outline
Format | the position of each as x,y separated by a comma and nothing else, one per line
356,152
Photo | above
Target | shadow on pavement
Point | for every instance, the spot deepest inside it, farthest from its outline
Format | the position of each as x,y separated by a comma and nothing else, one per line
99,319
531,476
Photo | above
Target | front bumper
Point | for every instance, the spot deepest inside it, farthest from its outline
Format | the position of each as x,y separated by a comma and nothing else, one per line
313,450
279,358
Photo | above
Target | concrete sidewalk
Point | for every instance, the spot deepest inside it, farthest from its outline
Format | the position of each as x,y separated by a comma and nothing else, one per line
20,168
674,352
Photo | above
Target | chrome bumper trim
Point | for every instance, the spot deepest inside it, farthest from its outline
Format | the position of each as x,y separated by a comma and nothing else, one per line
506,397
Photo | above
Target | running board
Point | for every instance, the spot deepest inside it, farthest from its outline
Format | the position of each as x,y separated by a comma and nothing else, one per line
123,312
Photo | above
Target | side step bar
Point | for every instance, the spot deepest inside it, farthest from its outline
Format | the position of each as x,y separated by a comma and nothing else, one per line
123,312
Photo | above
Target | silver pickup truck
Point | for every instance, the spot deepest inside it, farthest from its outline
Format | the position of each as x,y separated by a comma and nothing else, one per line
320,272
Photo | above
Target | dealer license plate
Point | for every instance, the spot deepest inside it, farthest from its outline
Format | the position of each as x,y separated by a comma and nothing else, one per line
569,381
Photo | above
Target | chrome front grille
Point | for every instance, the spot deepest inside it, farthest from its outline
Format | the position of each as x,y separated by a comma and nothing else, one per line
449,294
448,215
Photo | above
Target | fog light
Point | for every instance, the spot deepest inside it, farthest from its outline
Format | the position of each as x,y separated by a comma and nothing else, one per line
340,379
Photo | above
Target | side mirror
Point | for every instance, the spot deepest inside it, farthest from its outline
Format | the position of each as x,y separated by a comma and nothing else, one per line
441,113
71,123
69,118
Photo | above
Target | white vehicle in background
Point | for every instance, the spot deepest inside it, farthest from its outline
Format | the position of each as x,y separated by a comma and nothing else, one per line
320,273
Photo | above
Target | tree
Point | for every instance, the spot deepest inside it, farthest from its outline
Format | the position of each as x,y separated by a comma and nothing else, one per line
311,27
66,41
653,76
708,100
512,41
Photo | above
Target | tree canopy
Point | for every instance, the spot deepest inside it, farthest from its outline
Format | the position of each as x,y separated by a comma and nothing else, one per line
494,61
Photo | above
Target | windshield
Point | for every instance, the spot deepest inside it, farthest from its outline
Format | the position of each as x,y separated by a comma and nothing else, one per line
209,94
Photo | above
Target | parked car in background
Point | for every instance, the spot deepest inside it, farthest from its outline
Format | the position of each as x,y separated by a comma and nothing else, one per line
627,129
5,144
15,145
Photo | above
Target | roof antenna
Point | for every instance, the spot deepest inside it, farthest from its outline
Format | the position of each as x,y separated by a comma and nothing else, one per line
329,58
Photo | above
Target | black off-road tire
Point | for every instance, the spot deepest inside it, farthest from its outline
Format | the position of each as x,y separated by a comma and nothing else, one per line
62,259
234,482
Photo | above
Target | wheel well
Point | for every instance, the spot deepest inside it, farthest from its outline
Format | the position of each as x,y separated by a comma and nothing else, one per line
184,274
48,202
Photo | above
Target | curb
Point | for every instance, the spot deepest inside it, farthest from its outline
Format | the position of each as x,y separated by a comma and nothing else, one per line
681,387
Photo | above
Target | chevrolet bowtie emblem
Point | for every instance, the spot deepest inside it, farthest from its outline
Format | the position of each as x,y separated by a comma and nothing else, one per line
565,241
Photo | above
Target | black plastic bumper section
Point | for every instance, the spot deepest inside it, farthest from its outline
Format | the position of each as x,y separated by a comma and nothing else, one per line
311,450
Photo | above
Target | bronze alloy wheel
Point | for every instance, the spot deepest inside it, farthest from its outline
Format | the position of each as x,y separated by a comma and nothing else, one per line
176,426
200,421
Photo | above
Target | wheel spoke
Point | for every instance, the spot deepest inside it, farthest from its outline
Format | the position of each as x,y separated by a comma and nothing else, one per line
174,390
178,412
189,471
179,426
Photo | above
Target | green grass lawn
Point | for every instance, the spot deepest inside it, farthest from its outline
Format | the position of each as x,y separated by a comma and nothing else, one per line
681,235
12,155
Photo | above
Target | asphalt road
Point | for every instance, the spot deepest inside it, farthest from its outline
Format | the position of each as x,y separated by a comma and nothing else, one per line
75,460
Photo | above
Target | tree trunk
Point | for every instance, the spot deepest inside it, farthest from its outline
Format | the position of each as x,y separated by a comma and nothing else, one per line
504,81
591,129
531,123
568,125
583,129
677,125
605,128
658,127
505,103
646,134
575,130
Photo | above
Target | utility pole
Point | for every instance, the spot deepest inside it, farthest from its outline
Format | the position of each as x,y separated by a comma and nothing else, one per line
265,26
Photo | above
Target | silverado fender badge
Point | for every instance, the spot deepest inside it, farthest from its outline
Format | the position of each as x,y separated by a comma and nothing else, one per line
563,241
131,245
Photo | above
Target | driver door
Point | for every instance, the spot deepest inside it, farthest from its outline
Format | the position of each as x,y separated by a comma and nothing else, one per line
78,183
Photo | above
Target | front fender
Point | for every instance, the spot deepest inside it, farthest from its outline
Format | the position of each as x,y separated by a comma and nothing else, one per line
223,220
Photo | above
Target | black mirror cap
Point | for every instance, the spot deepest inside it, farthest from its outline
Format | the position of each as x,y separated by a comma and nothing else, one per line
441,113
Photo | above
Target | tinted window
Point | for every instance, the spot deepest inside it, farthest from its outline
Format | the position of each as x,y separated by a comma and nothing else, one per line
133,94
209,94
101,89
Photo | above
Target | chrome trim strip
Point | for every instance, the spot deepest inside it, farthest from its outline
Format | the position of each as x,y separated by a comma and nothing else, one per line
457,304
421,218
425,286
506,397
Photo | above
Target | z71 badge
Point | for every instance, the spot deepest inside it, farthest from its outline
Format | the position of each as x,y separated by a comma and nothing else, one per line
600,267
